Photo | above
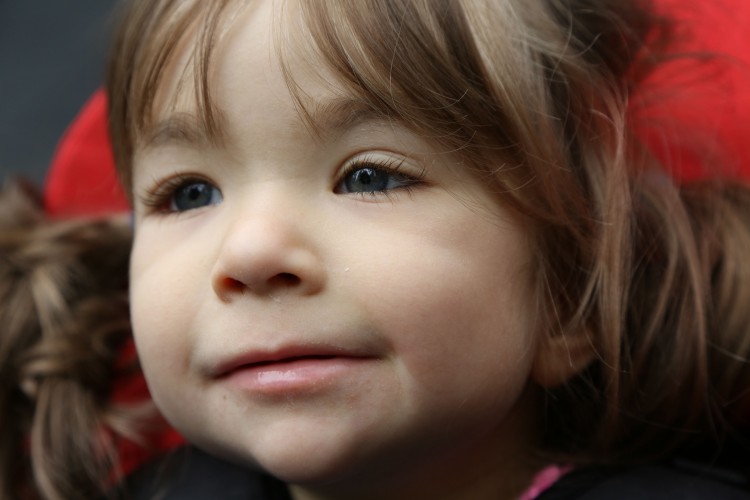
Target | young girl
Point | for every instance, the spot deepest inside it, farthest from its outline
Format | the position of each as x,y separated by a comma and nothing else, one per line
401,249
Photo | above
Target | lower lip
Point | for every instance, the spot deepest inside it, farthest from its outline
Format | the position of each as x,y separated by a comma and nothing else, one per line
296,377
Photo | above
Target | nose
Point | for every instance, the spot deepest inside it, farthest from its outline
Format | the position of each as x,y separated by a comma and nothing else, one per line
267,255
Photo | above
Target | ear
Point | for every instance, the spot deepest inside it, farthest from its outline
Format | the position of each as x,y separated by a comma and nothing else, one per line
562,356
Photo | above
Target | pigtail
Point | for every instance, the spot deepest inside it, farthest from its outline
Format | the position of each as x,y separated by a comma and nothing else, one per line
64,317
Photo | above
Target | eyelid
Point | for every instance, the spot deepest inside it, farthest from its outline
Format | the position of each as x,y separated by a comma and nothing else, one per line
157,197
390,162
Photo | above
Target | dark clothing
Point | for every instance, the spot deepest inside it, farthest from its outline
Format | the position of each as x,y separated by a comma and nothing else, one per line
190,474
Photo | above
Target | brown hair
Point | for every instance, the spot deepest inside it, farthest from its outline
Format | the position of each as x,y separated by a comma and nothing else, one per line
534,95
65,316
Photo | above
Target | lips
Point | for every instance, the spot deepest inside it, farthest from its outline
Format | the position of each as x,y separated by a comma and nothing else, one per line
294,372
281,358
288,360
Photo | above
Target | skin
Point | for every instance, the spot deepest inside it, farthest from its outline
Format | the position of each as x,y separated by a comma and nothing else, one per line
396,326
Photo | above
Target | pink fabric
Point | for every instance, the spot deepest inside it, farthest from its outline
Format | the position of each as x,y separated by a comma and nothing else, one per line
544,480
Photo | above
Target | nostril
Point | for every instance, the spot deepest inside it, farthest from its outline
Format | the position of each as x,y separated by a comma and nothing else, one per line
285,280
228,286
232,285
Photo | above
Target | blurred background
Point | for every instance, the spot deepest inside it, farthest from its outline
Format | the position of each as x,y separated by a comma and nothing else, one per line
52,56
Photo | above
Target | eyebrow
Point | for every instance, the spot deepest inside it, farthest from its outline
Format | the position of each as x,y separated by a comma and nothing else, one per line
178,128
335,116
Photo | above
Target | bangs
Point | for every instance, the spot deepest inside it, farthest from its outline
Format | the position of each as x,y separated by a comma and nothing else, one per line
509,87
412,62
151,36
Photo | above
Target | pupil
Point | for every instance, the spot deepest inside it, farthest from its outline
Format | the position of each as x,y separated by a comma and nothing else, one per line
365,176
193,196
367,180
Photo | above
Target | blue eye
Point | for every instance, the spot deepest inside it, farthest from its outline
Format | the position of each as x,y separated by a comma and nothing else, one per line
192,195
373,179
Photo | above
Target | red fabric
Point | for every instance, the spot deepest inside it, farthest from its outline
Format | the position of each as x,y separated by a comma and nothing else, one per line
82,178
694,112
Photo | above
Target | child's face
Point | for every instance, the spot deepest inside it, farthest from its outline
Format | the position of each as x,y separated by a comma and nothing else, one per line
340,307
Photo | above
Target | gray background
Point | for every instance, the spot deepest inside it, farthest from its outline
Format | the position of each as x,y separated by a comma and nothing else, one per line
52,55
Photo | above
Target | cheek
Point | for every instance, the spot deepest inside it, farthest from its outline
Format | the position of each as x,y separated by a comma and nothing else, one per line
162,318
457,309
162,303
462,326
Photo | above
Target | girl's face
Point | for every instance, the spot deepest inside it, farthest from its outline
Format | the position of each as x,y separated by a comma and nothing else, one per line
346,309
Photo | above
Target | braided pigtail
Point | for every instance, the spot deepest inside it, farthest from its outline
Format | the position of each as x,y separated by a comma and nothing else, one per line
64,317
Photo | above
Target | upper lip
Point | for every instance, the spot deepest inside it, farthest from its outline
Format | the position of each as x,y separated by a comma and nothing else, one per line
286,354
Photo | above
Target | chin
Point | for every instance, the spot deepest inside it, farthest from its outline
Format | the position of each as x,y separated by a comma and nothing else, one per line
316,466
301,461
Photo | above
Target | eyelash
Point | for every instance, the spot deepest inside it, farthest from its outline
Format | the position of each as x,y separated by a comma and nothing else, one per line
158,198
387,165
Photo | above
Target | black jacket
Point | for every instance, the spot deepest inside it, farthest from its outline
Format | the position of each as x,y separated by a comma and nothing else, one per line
190,474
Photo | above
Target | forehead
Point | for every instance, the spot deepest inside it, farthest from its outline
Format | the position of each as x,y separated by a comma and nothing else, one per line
258,45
